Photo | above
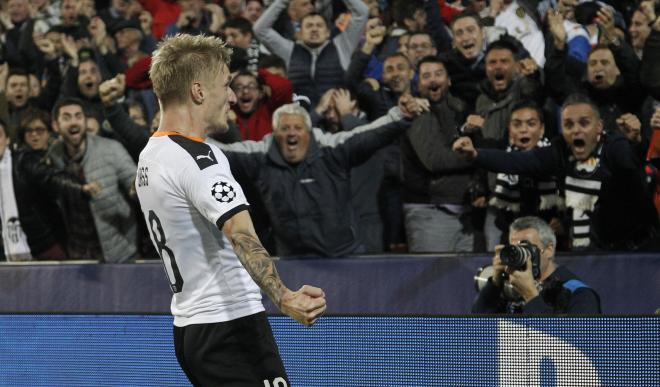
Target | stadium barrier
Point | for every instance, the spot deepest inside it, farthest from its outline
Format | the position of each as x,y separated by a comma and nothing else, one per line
106,325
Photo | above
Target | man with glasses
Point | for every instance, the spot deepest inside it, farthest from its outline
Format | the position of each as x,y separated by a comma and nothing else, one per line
420,45
257,97
35,131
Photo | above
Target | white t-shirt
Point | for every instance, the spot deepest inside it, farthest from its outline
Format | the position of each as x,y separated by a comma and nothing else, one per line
522,27
187,192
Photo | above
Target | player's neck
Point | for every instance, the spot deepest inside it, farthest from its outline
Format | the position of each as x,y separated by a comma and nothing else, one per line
183,119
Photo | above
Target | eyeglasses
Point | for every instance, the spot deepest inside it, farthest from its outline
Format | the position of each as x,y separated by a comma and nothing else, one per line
35,130
423,46
240,89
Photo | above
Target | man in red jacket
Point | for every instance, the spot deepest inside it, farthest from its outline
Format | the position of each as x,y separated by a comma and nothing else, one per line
258,96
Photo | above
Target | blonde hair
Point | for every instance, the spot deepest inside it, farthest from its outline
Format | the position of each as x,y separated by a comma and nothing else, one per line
182,59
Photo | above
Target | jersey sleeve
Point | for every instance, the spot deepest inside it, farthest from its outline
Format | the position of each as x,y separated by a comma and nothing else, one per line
213,191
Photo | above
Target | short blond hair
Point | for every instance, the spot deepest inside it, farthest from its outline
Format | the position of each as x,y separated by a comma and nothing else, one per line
180,60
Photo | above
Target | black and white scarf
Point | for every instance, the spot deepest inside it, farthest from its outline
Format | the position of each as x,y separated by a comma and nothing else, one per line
15,243
582,190
507,189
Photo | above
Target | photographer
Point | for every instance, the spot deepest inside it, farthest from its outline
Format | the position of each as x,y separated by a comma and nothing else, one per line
527,265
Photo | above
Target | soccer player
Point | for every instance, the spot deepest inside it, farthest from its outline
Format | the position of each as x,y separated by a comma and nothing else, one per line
186,190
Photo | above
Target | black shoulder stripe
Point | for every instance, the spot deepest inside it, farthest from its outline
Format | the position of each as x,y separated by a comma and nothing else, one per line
225,217
200,152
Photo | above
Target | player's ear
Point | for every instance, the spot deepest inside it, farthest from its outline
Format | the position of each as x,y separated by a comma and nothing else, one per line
197,93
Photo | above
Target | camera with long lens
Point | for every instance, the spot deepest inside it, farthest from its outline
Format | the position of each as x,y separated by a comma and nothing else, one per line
516,257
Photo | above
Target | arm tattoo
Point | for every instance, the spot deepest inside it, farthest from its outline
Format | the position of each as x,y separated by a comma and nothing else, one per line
258,263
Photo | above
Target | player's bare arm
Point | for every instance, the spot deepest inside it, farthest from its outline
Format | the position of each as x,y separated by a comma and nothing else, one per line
305,305
255,258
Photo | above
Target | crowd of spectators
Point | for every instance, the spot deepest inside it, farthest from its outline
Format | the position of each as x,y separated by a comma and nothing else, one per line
548,108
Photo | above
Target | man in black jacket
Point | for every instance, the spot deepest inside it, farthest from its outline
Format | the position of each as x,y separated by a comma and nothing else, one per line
18,84
604,188
27,207
465,62
612,78
305,183
541,286
435,190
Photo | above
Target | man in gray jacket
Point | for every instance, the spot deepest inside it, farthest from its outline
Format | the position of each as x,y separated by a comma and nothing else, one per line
303,176
103,227
315,63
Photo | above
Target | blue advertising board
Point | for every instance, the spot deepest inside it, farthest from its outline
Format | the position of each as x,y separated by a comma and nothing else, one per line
137,350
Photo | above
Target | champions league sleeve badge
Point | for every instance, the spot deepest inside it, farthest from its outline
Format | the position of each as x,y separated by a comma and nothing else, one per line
223,192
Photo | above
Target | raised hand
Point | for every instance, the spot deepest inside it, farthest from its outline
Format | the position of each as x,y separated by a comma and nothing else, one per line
605,20
85,8
4,73
218,17
97,30
5,20
46,47
496,7
556,25
374,34
343,102
70,48
112,90
326,102
528,66
648,9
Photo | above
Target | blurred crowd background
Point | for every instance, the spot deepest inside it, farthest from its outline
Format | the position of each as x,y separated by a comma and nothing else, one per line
76,108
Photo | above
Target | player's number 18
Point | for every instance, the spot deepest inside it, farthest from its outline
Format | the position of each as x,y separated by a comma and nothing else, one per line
158,237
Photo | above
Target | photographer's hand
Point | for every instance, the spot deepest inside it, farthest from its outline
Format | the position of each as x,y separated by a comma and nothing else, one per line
498,267
523,282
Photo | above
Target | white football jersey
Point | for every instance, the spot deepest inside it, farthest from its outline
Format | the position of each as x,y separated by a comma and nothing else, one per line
187,192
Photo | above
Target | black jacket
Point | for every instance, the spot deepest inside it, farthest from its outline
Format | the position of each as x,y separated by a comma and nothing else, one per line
625,96
375,103
465,76
650,69
563,293
309,204
36,186
432,173
624,215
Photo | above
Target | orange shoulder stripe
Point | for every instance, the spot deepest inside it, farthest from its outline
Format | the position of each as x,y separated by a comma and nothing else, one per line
172,133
